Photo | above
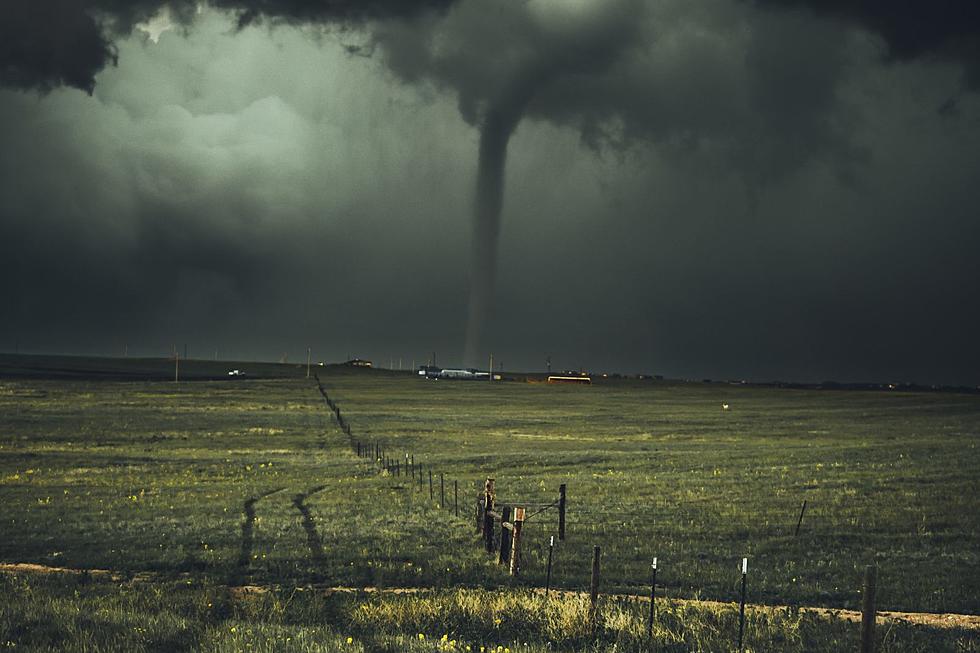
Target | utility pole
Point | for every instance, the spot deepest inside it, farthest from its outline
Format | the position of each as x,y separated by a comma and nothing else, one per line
308,354
491,368
176,368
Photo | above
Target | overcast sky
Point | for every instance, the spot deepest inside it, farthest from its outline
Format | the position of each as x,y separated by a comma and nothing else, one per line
696,188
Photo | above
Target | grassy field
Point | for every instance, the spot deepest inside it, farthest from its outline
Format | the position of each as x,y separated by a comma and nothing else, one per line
661,470
184,490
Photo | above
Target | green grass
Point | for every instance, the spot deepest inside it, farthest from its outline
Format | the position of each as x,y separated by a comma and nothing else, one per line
57,613
153,478
661,470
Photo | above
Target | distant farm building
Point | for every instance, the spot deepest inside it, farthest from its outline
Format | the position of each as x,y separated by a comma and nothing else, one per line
358,362
582,380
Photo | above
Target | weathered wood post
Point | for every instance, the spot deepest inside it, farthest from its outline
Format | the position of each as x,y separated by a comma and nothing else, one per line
503,555
515,547
800,520
653,600
741,606
594,590
358,449
442,490
551,552
456,498
868,610
561,512
488,501
430,485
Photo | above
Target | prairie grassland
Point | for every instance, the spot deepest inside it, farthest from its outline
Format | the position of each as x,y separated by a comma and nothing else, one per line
208,484
61,613
661,470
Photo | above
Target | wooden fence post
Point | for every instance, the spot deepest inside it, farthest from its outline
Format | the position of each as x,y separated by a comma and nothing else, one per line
442,490
561,511
515,547
456,498
430,485
488,529
594,590
868,610
488,500
489,492
503,556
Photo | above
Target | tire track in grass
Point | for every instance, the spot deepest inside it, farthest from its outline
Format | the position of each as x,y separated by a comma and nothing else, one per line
248,535
312,536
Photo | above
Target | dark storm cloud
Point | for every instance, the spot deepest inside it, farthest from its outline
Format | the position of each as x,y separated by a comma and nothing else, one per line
45,44
708,188
721,82
910,28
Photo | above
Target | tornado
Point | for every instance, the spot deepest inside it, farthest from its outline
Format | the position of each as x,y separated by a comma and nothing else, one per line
498,125
584,40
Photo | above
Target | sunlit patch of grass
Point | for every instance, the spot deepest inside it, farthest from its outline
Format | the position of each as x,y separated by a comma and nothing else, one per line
73,614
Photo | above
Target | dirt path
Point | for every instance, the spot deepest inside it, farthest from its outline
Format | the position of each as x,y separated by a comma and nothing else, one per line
935,620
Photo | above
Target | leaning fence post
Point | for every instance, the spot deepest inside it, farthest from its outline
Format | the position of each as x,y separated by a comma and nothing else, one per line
868,609
800,520
594,590
515,547
741,605
561,512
